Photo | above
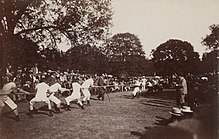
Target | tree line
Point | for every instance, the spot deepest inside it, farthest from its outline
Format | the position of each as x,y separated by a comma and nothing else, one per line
31,30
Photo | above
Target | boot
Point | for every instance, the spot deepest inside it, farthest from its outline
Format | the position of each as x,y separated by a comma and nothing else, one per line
68,108
81,106
17,118
98,97
102,97
88,102
58,110
50,113
133,96
31,114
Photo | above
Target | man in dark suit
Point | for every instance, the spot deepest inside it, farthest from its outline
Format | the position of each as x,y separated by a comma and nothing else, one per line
101,90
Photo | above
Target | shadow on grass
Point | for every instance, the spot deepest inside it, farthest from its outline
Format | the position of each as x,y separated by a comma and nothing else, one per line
163,133
161,95
162,121
8,115
156,105
186,129
126,96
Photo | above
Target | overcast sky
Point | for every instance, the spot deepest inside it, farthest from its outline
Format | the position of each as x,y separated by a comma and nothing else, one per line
156,21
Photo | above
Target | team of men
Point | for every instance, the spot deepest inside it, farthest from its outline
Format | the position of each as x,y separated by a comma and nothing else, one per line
45,91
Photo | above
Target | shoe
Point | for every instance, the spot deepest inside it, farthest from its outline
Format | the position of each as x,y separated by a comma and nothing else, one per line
68,108
82,107
82,101
50,113
58,110
35,110
98,97
17,118
132,97
31,114
88,102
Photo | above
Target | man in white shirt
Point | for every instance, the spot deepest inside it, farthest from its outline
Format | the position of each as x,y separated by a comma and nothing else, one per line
85,89
76,95
5,99
52,90
41,96
144,80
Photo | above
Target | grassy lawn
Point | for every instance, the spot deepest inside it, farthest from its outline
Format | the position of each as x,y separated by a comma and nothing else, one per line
114,119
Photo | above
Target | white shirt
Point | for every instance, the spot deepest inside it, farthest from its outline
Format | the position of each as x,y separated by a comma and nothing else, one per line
41,88
144,81
76,90
88,83
55,87
7,88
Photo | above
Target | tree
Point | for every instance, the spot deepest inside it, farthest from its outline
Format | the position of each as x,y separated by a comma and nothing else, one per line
124,52
212,40
24,53
175,56
50,22
86,58
51,58
210,62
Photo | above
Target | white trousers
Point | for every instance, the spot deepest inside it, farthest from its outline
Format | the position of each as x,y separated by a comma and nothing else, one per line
86,93
136,89
54,99
72,98
8,101
34,100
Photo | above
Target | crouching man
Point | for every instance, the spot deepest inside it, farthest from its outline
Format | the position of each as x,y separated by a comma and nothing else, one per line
76,95
41,96
5,99
52,90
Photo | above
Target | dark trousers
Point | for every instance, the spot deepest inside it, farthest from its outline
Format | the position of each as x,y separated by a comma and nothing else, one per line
101,92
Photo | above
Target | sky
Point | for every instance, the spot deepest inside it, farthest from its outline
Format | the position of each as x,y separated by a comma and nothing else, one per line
156,21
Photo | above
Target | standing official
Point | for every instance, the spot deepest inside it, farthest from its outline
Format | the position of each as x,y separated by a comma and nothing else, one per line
101,89
85,89
182,90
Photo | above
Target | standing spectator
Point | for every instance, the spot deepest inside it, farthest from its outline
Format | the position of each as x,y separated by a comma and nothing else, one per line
182,90
144,80
101,90
35,69
85,89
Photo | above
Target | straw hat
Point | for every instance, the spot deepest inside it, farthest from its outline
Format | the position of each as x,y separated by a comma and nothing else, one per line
186,109
176,112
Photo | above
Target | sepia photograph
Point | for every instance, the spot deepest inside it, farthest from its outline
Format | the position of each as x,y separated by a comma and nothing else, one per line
109,69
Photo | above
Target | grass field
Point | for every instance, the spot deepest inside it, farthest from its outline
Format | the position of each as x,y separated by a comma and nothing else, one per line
114,119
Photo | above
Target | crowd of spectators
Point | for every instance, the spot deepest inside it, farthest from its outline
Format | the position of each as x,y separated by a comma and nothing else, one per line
27,78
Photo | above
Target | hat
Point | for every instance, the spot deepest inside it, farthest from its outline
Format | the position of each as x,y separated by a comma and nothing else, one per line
176,112
186,109
50,71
